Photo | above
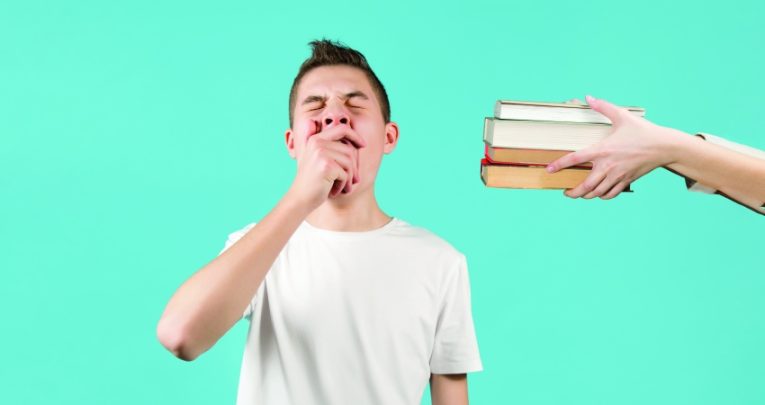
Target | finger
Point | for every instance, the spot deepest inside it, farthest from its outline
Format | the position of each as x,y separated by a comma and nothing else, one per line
587,185
612,112
356,155
341,177
344,146
355,177
618,188
351,173
345,161
351,158
571,159
336,188
343,131
602,188
342,159
313,129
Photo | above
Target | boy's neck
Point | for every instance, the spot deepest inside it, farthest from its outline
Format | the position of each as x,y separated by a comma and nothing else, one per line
356,215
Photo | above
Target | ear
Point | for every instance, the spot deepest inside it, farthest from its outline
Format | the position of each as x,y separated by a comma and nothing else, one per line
289,138
391,137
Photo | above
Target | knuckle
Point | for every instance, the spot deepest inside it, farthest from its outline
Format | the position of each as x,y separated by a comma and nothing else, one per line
316,145
325,165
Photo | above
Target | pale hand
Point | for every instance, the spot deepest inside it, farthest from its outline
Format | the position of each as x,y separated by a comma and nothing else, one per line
635,147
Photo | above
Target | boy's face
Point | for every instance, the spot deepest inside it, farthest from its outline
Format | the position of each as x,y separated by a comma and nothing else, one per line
328,96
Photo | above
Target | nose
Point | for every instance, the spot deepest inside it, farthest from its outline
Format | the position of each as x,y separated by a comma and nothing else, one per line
335,117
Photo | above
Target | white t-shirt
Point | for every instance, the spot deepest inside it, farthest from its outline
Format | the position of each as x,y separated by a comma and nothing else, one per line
357,318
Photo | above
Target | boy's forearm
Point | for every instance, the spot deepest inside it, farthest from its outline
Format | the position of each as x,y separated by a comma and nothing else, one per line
212,300
737,175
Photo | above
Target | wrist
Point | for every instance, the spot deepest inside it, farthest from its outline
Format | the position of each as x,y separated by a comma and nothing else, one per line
672,145
297,203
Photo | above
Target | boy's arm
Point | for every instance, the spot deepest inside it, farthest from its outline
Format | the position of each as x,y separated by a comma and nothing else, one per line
211,301
448,389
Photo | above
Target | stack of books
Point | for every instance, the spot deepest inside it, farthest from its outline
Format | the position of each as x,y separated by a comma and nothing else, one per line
523,137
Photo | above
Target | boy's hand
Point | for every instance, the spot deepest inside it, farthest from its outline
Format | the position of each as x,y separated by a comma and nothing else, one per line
328,165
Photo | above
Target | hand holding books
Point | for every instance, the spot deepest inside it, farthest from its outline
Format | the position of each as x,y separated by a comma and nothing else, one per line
637,146
631,150
597,150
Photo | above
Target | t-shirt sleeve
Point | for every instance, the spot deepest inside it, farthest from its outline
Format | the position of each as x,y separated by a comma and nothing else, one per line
233,238
455,350
693,185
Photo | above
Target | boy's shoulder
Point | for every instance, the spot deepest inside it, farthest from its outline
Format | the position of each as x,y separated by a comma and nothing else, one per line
423,238
424,234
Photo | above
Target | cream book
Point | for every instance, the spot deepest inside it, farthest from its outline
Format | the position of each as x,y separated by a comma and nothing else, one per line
550,135
561,112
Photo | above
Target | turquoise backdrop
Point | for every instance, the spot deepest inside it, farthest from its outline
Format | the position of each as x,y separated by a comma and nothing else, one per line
134,136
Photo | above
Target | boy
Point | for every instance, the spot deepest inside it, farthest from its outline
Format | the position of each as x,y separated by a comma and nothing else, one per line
347,305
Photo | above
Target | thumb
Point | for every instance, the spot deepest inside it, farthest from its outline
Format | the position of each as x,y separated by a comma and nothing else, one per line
612,112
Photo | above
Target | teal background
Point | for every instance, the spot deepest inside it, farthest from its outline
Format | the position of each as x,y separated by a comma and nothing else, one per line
134,136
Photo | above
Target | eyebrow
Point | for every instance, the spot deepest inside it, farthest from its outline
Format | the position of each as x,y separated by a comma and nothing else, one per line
346,96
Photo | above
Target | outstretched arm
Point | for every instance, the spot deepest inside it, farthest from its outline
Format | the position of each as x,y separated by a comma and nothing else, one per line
637,146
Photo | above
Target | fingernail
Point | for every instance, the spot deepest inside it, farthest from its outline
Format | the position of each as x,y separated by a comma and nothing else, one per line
550,168
590,99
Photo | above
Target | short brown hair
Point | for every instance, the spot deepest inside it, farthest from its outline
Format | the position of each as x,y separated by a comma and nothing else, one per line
326,53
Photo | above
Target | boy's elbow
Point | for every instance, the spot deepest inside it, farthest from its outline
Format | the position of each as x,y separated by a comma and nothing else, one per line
176,341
